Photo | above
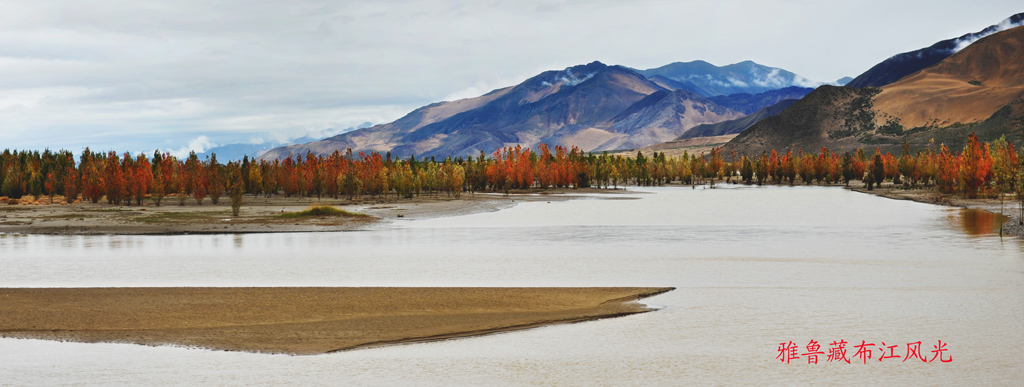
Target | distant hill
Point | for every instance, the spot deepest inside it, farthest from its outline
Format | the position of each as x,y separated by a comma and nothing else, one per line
842,81
966,87
233,152
236,152
747,103
901,65
663,116
737,125
673,85
593,106
382,138
829,116
709,80
980,88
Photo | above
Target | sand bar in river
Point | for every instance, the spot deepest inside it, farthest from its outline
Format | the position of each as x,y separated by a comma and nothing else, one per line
303,320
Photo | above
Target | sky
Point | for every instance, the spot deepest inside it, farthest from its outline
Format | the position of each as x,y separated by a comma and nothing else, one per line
188,75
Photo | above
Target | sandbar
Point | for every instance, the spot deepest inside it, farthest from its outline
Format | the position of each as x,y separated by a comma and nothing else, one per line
299,320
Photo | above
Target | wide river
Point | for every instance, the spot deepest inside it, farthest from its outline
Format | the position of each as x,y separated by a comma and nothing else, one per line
754,267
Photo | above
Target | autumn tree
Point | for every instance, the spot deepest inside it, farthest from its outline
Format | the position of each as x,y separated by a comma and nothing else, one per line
195,178
878,168
948,175
350,185
114,179
975,167
164,181
215,179
1004,167
236,187
746,170
72,180
140,177
255,180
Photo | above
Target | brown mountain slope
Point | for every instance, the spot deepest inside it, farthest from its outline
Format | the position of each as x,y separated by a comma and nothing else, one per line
978,89
966,87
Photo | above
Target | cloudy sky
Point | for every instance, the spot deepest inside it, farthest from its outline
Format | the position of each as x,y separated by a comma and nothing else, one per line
137,75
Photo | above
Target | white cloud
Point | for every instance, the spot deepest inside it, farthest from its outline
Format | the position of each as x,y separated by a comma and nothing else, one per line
804,82
120,75
199,145
1002,26
736,82
567,78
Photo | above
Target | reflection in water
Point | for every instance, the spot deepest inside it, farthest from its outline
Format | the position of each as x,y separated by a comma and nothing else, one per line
977,222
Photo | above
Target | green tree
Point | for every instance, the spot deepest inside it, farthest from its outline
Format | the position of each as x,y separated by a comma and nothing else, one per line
747,170
236,187
877,169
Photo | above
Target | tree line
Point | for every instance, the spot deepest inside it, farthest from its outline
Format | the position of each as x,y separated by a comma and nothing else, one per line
979,169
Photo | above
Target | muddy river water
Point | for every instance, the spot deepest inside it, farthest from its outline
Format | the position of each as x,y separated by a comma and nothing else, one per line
754,267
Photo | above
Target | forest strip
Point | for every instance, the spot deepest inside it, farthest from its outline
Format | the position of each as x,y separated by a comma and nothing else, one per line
298,321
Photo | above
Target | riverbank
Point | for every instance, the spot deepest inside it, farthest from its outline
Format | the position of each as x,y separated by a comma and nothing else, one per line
258,215
299,321
263,215
1009,208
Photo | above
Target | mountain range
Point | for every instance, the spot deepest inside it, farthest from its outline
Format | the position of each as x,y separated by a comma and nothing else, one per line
942,92
237,151
738,125
595,107
978,89
709,80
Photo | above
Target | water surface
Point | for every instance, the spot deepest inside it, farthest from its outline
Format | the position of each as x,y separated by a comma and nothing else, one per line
754,266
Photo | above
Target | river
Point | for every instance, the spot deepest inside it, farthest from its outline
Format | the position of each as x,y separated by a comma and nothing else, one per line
753,266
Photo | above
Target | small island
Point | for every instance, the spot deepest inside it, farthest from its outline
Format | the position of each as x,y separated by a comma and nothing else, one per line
299,321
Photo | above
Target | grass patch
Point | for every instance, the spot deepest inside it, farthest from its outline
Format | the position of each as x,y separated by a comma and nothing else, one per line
320,211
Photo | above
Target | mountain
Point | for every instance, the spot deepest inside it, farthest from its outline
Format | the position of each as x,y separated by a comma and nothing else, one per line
676,85
709,80
842,81
747,103
737,125
593,106
829,116
237,151
980,88
233,152
966,87
663,116
382,138
901,65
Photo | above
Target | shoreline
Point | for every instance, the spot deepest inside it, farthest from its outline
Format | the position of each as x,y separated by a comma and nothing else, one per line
258,215
300,321
1009,209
